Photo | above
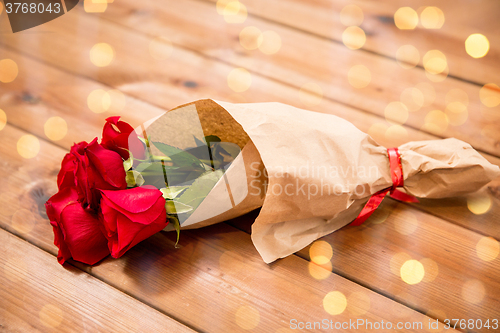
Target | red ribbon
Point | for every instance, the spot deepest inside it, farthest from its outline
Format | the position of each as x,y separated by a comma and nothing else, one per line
397,181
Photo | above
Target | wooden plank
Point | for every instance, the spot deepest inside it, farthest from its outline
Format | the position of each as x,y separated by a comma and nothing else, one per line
478,211
216,281
133,72
304,59
456,282
30,106
462,18
38,295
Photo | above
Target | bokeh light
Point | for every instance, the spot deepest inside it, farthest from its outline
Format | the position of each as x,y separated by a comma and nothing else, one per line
23,221
412,272
479,203
436,122
432,18
55,128
311,94
406,224
99,101
10,203
397,262
477,45
358,303
51,316
406,18
457,95
407,56
28,146
117,100
359,76
334,302
320,272
251,38
94,6
377,132
235,12
379,215
101,54
473,291
320,252
435,62
8,70
397,134
247,317
396,113
220,5
431,269
160,48
438,77
3,119
354,37
239,80
457,113
271,42
487,248
412,98
351,15
489,94
428,91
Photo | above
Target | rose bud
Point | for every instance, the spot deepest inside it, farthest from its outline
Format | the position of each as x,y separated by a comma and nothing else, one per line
96,169
77,231
119,136
130,216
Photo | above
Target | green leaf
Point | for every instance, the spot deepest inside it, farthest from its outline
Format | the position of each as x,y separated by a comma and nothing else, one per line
128,163
176,207
134,178
177,226
178,156
172,192
200,188
154,167
225,152
199,143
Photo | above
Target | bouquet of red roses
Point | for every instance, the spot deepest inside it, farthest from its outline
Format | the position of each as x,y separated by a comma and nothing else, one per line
116,193
94,213
206,162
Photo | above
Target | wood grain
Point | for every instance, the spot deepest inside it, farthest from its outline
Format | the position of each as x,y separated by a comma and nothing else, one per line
305,59
462,19
373,254
215,268
133,72
38,295
30,106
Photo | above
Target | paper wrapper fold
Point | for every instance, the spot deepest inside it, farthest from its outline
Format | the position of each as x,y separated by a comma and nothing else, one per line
312,173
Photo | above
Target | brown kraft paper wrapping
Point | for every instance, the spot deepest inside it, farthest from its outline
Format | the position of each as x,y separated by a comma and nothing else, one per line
312,173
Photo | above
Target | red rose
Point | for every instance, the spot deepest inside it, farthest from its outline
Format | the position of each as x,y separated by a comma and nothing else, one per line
119,136
90,168
130,216
77,231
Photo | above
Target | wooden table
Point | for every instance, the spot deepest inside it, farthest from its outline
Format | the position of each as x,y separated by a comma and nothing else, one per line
216,281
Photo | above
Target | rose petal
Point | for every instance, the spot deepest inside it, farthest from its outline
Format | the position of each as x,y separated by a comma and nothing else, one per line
109,165
56,204
66,176
82,234
134,200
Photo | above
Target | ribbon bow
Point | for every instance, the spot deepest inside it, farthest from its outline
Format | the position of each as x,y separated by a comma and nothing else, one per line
397,181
